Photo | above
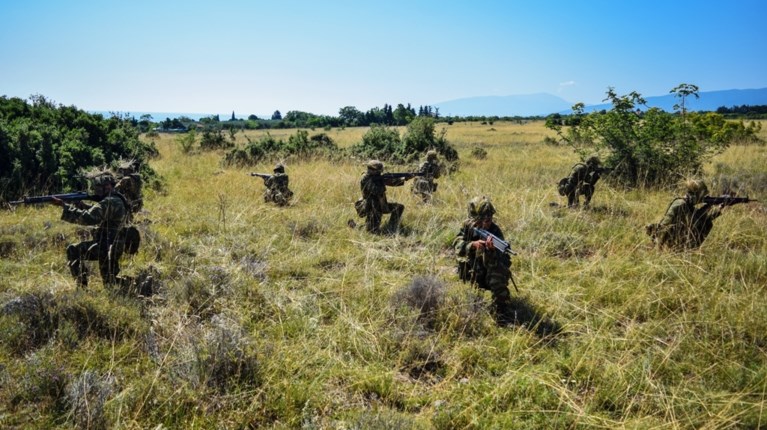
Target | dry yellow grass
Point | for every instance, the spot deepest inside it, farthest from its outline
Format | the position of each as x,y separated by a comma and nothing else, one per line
649,339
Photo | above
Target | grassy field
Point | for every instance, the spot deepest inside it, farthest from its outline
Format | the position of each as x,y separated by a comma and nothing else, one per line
272,317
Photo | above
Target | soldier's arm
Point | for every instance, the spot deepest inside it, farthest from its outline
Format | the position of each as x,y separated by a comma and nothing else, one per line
397,182
88,216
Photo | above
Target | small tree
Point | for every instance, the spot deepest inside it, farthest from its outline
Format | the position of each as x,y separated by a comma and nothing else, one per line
682,91
276,116
186,141
649,149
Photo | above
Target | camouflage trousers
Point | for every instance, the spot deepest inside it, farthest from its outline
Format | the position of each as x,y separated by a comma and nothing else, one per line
108,256
497,282
374,216
574,192
424,188
281,198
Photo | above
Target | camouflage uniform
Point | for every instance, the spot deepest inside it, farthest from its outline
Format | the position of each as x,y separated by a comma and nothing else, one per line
582,179
424,186
277,190
374,195
109,216
129,185
685,226
488,269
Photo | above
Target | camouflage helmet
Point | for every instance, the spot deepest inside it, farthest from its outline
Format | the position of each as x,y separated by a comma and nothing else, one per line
431,155
375,166
696,189
103,178
279,168
593,161
127,165
481,207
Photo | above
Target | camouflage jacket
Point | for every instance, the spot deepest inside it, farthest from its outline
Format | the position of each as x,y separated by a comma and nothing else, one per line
684,225
108,215
373,188
278,183
430,170
583,174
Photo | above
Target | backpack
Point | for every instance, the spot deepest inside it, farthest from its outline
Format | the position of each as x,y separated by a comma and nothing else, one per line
359,206
132,238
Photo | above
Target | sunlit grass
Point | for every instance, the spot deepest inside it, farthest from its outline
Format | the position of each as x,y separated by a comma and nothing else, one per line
287,317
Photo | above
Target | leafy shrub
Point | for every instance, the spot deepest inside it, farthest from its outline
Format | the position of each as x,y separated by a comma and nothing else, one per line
384,143
299,145
213,138
655,147
186,141
44,146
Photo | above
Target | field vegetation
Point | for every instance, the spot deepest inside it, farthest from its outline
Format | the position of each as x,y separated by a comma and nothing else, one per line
268,317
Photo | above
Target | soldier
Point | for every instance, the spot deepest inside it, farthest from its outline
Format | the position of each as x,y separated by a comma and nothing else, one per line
685,226
277,190
129,184
373,186
424,186
581,181
479,262
109,216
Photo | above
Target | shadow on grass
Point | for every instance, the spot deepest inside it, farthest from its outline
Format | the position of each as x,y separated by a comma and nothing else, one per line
521,312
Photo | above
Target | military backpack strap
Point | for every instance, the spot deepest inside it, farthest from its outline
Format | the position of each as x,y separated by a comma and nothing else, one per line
576,165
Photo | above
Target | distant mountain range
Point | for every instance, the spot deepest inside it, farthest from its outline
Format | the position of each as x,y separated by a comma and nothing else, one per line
543,104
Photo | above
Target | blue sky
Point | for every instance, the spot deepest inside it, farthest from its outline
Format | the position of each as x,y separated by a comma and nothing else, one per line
255,57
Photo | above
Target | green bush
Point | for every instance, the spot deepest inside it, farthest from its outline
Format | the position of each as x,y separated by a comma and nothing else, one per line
384,143
654,147
299,145
213,138
43,147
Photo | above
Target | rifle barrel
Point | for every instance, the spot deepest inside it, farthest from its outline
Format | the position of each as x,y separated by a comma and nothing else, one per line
81,195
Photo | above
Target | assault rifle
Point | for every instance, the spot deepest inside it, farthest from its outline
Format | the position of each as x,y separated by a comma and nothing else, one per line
261,175
67,197
726,200
499,244
604,170
406,175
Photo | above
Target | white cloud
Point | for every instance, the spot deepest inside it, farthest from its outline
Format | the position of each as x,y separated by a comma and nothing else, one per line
563,85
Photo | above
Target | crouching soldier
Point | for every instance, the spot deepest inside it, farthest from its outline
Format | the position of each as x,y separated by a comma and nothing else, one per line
277,190
424,186
373,204
108,216
581,182
479,262
684,225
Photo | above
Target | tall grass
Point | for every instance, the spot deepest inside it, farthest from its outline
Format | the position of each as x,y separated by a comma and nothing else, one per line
288,317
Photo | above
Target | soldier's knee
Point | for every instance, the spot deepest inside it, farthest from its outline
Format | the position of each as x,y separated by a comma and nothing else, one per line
73,253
